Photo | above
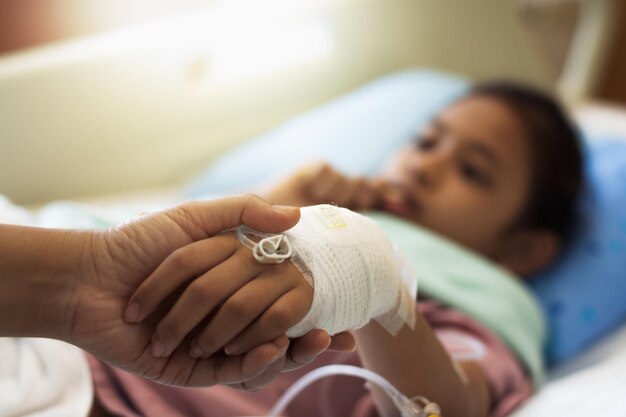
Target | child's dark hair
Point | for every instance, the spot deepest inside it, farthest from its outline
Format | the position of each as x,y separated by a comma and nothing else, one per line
556,156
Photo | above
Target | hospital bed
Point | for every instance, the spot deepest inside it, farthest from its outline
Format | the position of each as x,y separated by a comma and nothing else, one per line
591,383
111,145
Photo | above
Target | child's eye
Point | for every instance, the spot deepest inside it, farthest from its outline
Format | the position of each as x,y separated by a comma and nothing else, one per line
475,175
425,142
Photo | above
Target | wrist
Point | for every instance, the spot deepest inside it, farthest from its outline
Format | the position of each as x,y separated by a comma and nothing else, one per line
41,273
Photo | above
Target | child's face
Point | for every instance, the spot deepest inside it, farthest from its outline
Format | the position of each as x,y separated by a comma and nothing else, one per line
466,176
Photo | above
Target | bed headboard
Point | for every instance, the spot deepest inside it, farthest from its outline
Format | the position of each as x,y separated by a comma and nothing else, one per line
150,105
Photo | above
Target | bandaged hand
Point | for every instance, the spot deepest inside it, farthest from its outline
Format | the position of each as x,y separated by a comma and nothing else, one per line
357,272
230,299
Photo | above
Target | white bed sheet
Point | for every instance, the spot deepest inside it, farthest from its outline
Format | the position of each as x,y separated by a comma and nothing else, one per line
591,384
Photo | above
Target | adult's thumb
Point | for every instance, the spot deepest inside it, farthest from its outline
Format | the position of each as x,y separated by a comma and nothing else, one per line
211,217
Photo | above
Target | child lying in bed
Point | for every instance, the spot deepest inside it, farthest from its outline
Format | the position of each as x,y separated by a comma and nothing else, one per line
497,171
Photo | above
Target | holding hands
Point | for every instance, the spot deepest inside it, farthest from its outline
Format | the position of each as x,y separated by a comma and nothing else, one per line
212,299
231,301
95,273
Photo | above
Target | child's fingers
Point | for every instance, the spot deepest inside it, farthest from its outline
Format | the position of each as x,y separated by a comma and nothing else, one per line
322,183
242,308
276,320
237,369
200,298
250,361
368,194
306,349
360,195
342,342
177,268
344,191
268,375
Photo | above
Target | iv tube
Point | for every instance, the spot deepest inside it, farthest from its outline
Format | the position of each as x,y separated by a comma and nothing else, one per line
407,407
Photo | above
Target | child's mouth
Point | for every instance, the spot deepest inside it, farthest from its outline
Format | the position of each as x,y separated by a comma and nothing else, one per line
401,204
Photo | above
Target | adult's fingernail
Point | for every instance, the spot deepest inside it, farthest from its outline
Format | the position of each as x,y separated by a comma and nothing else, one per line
132,312
157,348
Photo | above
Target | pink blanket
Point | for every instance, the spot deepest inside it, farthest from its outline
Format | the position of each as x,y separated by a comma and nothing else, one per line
128,395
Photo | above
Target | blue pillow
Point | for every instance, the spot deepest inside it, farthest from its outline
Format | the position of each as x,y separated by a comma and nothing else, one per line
354,133
583,294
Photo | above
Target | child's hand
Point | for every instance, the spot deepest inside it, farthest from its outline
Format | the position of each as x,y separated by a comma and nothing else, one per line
247,302
321,184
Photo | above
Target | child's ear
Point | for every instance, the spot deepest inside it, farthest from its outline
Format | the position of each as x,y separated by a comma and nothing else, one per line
528,252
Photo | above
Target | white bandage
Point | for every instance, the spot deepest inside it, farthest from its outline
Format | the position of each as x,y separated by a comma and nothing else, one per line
356,272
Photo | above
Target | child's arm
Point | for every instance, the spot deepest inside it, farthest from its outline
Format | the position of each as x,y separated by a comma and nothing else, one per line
417,364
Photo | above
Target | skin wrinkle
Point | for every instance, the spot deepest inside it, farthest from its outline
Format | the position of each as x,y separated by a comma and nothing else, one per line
191,219
84,259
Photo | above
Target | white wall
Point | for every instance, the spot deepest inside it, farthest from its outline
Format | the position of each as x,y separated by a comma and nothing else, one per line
124,111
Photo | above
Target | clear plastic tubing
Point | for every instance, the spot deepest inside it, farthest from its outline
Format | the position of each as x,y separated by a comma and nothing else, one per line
407,407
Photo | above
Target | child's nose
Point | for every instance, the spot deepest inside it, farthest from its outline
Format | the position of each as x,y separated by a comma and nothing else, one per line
430,170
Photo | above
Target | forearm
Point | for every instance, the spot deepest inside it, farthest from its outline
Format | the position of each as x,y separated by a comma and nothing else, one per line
417,364
39,273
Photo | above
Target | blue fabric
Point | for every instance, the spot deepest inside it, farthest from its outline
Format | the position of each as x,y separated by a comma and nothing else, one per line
354,133
583,295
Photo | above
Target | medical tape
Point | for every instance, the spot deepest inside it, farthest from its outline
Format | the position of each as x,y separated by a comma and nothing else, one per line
356,272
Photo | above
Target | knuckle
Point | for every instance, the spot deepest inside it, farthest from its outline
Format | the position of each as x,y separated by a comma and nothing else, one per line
243,253
281,316
320,165
251,199
236,307
246,257
228,242
283,268
180,259
200,292
360,184
322,169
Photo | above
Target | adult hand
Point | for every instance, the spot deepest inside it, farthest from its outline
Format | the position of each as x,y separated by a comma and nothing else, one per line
119,259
